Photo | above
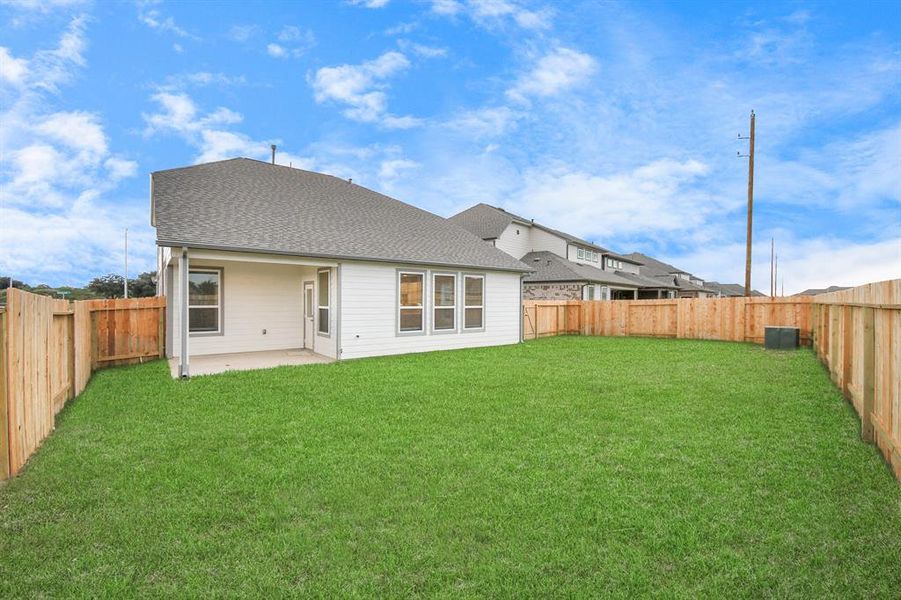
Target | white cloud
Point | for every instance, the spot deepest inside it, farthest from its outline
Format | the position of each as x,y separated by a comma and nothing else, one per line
809,263
80,131
390,169
370,3
446,7
12,70
484,122
44,6
491,13
293,42
400,28
57,174
242,33
361,87
557,71
422,50
201,78
656,197
153,18
276,51
209,132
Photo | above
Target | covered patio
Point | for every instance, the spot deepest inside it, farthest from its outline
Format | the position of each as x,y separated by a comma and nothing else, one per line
211,364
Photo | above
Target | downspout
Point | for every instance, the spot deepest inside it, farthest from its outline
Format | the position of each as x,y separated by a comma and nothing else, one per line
183,359
338,348
522,311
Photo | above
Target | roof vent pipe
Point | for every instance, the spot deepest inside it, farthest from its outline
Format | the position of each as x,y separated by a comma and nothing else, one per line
273,153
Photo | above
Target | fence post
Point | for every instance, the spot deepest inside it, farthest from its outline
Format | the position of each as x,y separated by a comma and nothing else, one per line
70,349
847,348
93,314
161,332
869,374
4,414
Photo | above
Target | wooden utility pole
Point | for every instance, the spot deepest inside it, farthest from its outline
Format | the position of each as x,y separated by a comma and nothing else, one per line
750,209
125,285
772,267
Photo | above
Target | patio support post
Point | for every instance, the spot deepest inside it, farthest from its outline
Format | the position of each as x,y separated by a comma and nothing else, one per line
183,359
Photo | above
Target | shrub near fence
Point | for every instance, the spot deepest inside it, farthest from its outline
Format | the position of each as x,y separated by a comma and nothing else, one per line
48,350
856,333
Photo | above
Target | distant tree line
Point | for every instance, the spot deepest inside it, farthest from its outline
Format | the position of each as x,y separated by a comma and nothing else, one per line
105,286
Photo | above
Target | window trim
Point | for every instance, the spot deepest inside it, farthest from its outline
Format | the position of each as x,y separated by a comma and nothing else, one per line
484,279
580,253
433,307
424,306
328,321
220,331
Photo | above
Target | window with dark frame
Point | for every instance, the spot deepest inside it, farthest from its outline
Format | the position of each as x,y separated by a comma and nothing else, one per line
473,301
204,301
323,307
444,292
411,292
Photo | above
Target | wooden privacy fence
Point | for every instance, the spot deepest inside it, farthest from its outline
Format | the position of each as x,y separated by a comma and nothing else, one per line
730,319
856,333
48,350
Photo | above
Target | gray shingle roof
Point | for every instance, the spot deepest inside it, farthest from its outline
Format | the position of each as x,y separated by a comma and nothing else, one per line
818,291
245,204
548,267
648,282
489,222
730,290
657,269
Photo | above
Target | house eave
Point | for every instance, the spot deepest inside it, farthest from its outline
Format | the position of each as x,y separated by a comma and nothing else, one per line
179,244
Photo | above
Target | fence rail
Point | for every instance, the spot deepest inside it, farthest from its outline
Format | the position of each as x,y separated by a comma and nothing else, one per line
856,333
48,350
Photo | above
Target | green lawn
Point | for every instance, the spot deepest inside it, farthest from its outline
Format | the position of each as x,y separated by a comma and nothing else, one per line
566,466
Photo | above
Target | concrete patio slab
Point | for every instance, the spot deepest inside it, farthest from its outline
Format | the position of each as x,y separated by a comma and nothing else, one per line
211,364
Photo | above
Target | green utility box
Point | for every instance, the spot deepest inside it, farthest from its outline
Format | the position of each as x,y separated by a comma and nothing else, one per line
781,338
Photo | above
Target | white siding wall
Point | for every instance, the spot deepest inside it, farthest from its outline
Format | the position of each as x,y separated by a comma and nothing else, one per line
572,252
369,306
629,268
544,241
256,296
515,245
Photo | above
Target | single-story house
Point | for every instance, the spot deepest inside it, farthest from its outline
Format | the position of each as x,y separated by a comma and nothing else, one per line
255,256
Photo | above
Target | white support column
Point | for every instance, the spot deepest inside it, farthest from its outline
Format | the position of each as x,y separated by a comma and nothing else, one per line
183,359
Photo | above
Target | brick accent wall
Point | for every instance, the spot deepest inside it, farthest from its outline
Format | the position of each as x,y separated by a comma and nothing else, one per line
552,291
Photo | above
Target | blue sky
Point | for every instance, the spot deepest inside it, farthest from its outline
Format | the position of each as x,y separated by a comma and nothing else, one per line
613,121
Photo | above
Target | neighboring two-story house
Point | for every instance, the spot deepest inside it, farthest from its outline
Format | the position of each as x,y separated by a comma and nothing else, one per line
565,267
686,284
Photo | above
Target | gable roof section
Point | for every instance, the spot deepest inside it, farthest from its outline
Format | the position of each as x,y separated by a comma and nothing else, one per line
249,205
818,291
732,290
486,221
548,267
652,265
489,222
648,282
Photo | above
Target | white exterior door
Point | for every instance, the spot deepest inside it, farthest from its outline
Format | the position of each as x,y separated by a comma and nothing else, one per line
308,311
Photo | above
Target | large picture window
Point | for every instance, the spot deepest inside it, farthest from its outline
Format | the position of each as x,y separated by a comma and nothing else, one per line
473,301
445,302
323,301
411,292
204,301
